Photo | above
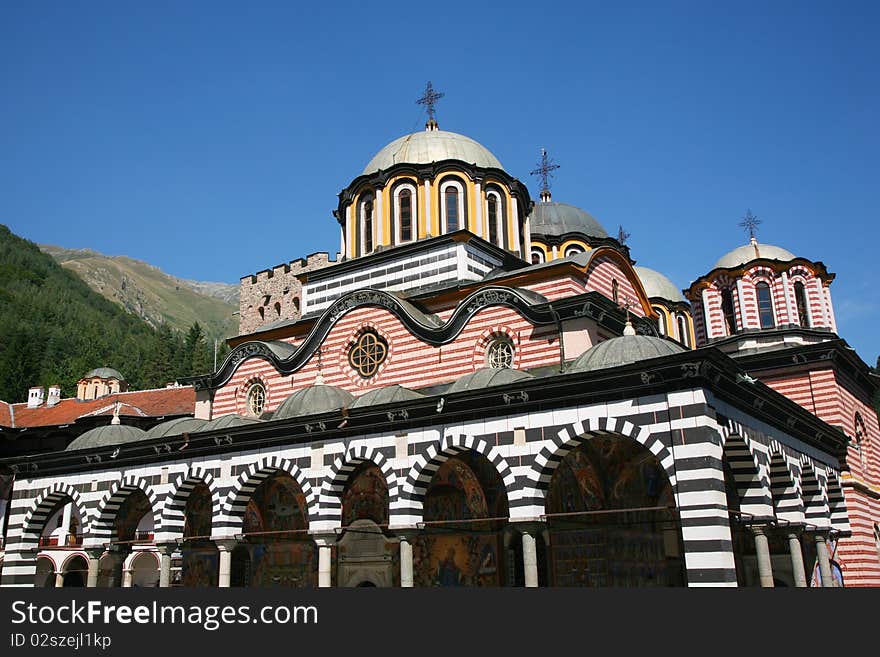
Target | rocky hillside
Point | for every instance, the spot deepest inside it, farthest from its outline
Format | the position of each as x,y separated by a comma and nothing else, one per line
153,295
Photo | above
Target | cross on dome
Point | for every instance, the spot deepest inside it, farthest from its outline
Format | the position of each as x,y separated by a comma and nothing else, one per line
429,100
750,222
544,171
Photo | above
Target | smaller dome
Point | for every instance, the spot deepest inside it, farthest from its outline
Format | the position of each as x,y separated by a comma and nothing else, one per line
556,219
657,285
104,373
486,378
313,400
743,254
227,421
386,395
622,351
111,434
176,427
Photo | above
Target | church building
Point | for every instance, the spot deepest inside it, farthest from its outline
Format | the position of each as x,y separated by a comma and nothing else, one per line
483,389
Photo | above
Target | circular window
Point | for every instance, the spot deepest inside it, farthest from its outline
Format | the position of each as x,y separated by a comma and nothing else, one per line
573,251
367,354
256,399
499,354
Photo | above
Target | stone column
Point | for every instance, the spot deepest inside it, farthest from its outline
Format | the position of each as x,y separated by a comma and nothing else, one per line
118,559
127,576
59,579
797,560
94,565
325,544
762,550
824,560
224,574
165,550
406,561
530,560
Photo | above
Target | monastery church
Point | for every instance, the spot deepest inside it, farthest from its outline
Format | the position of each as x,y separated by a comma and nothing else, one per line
484,389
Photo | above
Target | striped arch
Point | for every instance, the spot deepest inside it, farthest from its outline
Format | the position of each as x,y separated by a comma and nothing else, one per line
815,505
173,511
44,504
330,501
837,505
427,464
103,530
787,502
231,520
752,487
571,436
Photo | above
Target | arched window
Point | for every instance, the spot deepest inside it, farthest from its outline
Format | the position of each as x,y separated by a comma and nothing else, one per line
573,250
452,206
728,311
495,214
615,290
537,256
405,213
367,225
683,333
800,298
765,305
256,399
661,322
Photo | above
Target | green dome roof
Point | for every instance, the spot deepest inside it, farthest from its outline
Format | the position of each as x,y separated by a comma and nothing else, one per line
556,219
743,254
622,351
432,146
313,400
104,373
386,395
227,421
176,427
111,434
657,285
486,378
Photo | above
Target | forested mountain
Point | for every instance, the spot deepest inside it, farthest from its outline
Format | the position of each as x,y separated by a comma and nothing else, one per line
54,328
150,293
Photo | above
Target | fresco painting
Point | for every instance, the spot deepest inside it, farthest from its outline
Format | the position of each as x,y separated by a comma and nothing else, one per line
131,511
365,496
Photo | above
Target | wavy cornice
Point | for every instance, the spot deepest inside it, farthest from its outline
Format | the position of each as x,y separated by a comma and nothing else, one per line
425,327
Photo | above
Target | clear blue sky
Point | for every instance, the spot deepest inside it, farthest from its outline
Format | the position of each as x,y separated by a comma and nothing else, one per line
211,139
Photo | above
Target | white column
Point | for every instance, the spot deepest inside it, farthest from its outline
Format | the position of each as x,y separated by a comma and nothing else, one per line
797,560
427,218
325,544
707,314
224,574
762,550
165,551
406,561
127,576
59,579
379,219
786,291
530,560
824,560
350,227
527,229
517,247
94,564
478,215
741,303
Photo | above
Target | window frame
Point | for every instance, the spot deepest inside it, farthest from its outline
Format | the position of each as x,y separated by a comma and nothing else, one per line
765,306
407,186
445,185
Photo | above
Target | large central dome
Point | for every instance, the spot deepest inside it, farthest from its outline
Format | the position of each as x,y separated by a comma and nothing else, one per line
432,146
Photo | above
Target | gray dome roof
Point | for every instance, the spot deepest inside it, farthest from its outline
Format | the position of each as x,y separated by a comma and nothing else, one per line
104,373
176,427
743,254
432,146
657,285
486,378
622,351
556,219
386,395
227,421
312,400
111,434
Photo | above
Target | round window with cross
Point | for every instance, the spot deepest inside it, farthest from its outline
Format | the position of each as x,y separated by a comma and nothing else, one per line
368,353
499,353
256,399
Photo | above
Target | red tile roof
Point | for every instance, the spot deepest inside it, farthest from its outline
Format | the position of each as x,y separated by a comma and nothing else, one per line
139,403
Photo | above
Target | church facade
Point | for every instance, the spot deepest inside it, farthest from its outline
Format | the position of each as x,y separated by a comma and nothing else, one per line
483,390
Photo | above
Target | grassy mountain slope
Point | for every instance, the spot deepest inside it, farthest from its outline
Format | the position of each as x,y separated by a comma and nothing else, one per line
153,295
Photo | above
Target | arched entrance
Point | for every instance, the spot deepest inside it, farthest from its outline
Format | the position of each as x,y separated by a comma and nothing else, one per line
279,550
465,514
612,518
199,556
45,575
76,572
144,567
365,556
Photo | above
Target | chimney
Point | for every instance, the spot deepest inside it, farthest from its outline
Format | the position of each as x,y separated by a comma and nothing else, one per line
35,396
54,395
